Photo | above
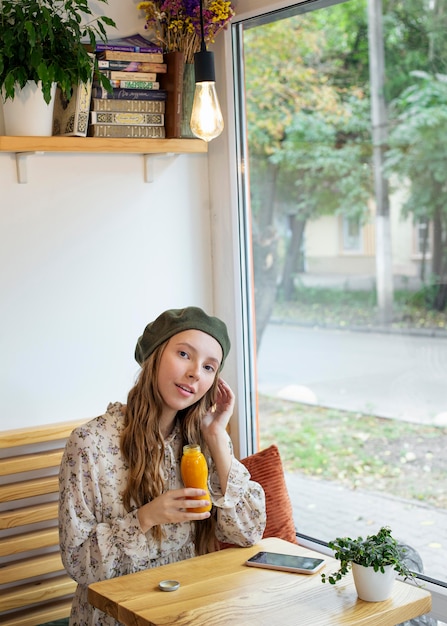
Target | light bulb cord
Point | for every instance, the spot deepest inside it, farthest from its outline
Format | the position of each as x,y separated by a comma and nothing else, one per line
202,29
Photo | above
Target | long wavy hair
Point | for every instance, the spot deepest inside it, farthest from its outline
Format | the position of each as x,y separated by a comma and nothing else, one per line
142,445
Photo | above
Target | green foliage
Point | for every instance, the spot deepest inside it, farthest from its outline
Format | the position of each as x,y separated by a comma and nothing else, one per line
426,297
325,306
43,40
326,159
375,551
309,123
416,160
284,74
306,118
346,35
309,74
336,297
417,144
415,40
356,450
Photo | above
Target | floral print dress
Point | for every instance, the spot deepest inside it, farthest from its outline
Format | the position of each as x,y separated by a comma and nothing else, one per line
99,539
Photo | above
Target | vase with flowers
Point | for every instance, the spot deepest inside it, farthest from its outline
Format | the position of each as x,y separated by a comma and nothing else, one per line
175,26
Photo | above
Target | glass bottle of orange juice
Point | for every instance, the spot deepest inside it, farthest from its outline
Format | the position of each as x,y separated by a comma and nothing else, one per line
194,472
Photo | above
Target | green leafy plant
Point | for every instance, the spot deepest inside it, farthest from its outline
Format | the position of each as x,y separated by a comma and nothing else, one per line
47,41
375,551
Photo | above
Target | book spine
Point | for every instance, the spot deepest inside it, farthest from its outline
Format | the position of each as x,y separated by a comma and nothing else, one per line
118,93
138,84
126,66
116,55
117,75
128,106
100,47
127,130
116,117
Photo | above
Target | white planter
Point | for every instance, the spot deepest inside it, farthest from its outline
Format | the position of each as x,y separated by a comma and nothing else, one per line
28,114
373,586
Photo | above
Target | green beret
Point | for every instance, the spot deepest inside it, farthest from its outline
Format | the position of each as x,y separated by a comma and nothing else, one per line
176,321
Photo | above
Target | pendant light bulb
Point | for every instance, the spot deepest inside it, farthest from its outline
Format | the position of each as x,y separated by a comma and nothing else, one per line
206,117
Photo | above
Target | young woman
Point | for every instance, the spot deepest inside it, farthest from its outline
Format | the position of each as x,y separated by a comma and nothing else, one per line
123,506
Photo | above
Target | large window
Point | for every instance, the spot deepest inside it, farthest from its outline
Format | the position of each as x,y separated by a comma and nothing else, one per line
343,156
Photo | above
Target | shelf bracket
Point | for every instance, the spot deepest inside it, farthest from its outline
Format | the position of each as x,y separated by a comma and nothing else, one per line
21,158
149,160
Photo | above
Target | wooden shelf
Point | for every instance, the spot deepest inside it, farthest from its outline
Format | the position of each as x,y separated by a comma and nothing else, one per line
22,147
97,144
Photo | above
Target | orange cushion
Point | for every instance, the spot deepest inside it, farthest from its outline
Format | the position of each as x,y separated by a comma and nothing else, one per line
266,468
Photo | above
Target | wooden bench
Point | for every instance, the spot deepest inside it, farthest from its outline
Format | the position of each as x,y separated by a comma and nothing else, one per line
34,587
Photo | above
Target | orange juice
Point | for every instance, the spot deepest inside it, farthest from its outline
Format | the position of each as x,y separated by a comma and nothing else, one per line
194,472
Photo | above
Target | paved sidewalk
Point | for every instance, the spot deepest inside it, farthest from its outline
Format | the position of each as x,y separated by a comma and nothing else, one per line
331,511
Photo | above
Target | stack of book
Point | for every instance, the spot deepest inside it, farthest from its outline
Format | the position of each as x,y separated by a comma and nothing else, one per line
137,103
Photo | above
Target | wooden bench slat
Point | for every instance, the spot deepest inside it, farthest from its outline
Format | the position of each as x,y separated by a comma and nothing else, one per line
14,518
39,591
29,488
36,616
30,462
35,588
37,434
15,544
28,568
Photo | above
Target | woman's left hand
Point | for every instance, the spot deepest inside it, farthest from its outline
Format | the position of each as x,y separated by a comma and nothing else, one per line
218,416
214,429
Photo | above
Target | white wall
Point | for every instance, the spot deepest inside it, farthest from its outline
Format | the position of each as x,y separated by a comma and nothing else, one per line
90,253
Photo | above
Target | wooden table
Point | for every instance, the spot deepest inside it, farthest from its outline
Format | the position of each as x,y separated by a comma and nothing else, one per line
218,589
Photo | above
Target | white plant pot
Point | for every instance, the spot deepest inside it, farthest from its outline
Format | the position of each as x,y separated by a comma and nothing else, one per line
373,586
28,114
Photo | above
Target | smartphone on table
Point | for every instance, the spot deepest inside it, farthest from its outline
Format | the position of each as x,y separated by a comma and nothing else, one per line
286,562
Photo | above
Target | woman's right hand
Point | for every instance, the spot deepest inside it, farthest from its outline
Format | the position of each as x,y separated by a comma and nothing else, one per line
171,508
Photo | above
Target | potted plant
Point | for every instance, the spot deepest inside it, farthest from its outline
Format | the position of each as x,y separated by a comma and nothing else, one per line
42,43
378,558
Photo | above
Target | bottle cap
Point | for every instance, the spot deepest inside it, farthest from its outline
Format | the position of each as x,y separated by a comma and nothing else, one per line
169,585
